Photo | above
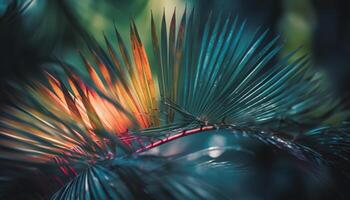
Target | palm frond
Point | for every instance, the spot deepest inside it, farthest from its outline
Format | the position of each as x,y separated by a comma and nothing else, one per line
127,101
144,177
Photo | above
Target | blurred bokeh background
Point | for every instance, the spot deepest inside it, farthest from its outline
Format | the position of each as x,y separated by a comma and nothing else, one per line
37,32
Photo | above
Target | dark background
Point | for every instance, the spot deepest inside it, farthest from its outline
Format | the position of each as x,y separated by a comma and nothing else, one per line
37,33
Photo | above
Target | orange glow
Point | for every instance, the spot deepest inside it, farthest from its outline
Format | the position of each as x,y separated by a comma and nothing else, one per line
73,110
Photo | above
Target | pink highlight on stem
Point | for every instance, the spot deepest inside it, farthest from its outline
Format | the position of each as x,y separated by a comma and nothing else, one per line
174,137
67,169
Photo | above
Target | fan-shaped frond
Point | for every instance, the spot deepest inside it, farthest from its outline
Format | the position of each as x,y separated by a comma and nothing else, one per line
197,78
